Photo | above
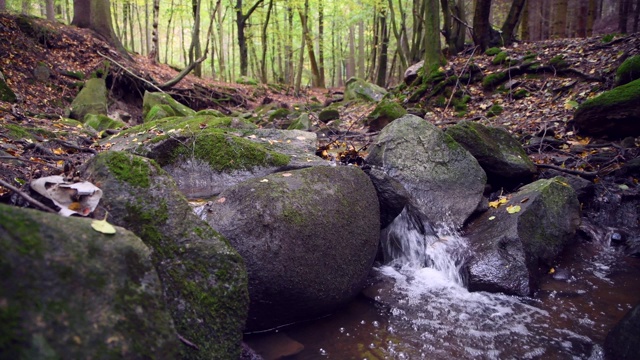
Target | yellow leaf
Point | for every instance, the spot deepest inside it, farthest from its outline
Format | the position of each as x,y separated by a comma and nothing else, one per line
103,226
491,217
286,174
512,209
264,180
75,206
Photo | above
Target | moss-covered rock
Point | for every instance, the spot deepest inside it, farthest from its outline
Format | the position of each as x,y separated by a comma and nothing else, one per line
494,110
92,99
385,112
492,51
500,155
628,71
558,62
203,278
156,98
6,94
210,112
358,89
303,122
306,252
102,122
492,80
328,114
245,80
500,58
279,113
512,250
159,111
70,292
615,113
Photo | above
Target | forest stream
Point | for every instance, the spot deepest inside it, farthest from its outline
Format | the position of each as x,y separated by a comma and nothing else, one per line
415,312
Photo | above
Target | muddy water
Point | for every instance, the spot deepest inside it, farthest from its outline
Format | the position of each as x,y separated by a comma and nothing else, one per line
423,314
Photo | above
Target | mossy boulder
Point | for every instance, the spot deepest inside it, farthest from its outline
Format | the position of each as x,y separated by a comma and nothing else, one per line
328,114
309,238
70,292
628,71
92,99
385,112
433,167
494,110
303,122
204,280
102,122
210,112
245,80
511,250
493,80
492,51
500,154
6,94
622,341
159,111
358,89
615,113
156,98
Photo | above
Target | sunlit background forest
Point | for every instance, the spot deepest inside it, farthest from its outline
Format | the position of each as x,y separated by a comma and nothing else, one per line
327,41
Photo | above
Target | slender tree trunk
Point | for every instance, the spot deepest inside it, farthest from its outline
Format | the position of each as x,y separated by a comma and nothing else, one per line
26,7
381,79
581,28
142,32
3,5
351,61
263,60
221,47
298,81
481,25
636,16
312,56
361,50
433,57
170,30
50,10
321,43
289,76
559,29
397,35
241,23
153,53
509,27
524,23
624,7
195,50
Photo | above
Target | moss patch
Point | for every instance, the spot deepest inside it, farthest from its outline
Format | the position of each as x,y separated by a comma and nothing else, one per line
628,71
128,168
492,51
622,94
493,80
494,110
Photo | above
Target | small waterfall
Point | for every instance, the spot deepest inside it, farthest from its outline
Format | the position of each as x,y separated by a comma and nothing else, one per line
410,243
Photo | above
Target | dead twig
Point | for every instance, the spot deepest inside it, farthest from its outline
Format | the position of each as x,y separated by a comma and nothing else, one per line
585,174
187,342
31,200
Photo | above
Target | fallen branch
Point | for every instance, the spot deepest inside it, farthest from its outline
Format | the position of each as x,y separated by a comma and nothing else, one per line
187,342
31,200
586,174
169,84
130,72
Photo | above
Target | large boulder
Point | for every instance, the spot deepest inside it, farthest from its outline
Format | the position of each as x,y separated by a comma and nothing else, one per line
412,72
358,89
204,280
173,107
615,113
500,154
70,292
205,155
92,99
309,238
444,180
623,341
385,112
392,196
512,245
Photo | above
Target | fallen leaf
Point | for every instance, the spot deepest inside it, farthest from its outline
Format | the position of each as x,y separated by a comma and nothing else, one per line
103,226
286,174
221,200
264,180
492,217
512,209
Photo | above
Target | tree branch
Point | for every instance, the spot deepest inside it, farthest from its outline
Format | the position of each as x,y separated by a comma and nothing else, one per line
27,197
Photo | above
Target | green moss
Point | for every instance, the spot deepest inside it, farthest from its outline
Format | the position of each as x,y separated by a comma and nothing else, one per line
628,71
147,222
559,62
10,335
102,122
492,51
500,58
128,168
16,132
328,114
25,230
494,110
492,80
520,93
619,95
607,38
280,113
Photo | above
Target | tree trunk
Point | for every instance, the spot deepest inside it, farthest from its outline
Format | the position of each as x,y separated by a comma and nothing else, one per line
381,78
298,82
361,50
153,53
322,81
636,16
581,28
559,26
524,23
241,23
195,50
96,15
351,61
50,10
307,35
481,25
221,55
169,32
3,5
624,7
433,57
288,73
26,7
398,35
508,29
263,60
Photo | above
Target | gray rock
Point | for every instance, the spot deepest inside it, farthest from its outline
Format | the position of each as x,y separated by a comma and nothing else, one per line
92,99
309,238
41,73
358,89
510,251
623,341
204,280
70,292
392,196
412,72
444,180
500,155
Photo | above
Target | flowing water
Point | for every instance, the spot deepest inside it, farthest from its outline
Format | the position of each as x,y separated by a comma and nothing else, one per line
418,308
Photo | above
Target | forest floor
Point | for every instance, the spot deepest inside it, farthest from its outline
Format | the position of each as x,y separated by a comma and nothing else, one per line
41,63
